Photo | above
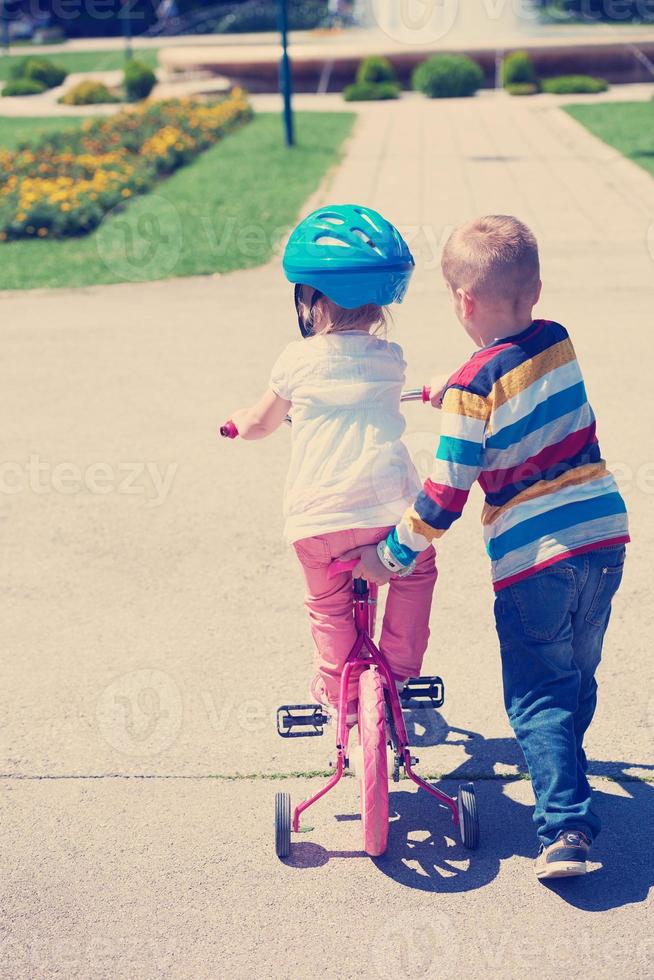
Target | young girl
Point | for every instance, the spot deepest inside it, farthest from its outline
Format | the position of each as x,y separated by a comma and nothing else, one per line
350,477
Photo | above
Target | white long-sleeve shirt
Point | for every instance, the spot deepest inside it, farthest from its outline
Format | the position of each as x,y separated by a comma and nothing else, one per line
349,467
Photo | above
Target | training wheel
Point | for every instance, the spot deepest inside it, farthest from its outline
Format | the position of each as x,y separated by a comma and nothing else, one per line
468,816
282,824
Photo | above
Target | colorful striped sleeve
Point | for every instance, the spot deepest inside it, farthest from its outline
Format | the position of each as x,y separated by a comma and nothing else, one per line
457,466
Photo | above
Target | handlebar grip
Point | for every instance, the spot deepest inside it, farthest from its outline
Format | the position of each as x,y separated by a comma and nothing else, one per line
426,393
228,430
338,566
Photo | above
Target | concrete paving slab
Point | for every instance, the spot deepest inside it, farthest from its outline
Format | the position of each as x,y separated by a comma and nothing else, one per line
175,878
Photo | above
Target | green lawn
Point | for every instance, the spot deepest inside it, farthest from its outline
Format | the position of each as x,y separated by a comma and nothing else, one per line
225,211
80,60
15,131
628,126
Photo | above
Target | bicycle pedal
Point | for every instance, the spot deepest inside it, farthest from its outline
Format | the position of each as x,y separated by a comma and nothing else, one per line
301,720
422,692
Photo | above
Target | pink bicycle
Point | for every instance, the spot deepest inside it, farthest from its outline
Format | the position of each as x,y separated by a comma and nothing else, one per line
382,733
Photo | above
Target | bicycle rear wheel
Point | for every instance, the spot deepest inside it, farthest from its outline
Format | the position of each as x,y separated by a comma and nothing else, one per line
373,780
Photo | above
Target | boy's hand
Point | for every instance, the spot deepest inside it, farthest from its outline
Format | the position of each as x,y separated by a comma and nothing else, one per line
437,387
369,566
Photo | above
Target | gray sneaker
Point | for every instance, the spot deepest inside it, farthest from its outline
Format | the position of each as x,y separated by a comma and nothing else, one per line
565,858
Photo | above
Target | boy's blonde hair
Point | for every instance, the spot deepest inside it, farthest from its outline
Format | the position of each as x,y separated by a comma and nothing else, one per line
494,257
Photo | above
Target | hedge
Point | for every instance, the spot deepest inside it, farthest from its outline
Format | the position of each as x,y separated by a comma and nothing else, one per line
574,85
371,91
23,86
88,92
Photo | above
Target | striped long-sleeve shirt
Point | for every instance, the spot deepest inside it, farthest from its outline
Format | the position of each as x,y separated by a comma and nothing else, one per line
516,418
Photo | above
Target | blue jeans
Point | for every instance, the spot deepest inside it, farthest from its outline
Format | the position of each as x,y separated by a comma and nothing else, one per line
551,627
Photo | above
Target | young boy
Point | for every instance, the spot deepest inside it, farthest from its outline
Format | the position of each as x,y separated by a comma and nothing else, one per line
516,418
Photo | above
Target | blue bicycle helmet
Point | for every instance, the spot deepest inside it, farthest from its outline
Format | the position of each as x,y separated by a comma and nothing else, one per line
351,254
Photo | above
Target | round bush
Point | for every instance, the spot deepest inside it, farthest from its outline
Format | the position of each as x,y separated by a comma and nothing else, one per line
139,80
88,92
370,91
518,69
447,76
23,86
39,70
521,88
375,69
574,85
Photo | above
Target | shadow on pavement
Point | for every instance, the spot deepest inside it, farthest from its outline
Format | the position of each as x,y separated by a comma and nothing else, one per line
425,852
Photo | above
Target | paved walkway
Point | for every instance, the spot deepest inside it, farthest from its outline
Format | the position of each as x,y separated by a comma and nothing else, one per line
153,620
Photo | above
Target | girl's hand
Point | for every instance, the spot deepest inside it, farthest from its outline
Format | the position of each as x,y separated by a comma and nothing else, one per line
261,419
369,566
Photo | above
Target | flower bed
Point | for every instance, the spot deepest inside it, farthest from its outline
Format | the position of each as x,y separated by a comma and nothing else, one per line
65,183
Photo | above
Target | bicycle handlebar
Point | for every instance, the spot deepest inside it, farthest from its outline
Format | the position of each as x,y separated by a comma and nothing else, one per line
417,394
229,431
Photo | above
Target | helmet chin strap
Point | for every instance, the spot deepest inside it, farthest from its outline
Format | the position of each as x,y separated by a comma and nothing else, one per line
305,325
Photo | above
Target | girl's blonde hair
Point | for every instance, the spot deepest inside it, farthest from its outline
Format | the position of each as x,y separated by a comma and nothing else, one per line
332,318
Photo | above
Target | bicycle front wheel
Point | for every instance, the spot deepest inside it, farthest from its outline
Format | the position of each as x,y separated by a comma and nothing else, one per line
373,780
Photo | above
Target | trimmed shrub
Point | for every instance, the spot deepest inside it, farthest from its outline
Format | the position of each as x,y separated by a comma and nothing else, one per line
39,70
447,76
518,69
88,92
522,88
370,91
23,86
375,69
574,85
139,80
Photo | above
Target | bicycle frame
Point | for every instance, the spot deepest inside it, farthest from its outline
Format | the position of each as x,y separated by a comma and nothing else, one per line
364,598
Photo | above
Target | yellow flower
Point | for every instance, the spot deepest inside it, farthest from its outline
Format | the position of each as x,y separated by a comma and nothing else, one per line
126,192
21,216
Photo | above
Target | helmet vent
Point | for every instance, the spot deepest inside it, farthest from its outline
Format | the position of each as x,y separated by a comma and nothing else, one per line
332,219
366,217
366,239
329,240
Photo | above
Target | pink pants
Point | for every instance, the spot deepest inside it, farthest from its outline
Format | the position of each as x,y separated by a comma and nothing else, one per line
405,631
